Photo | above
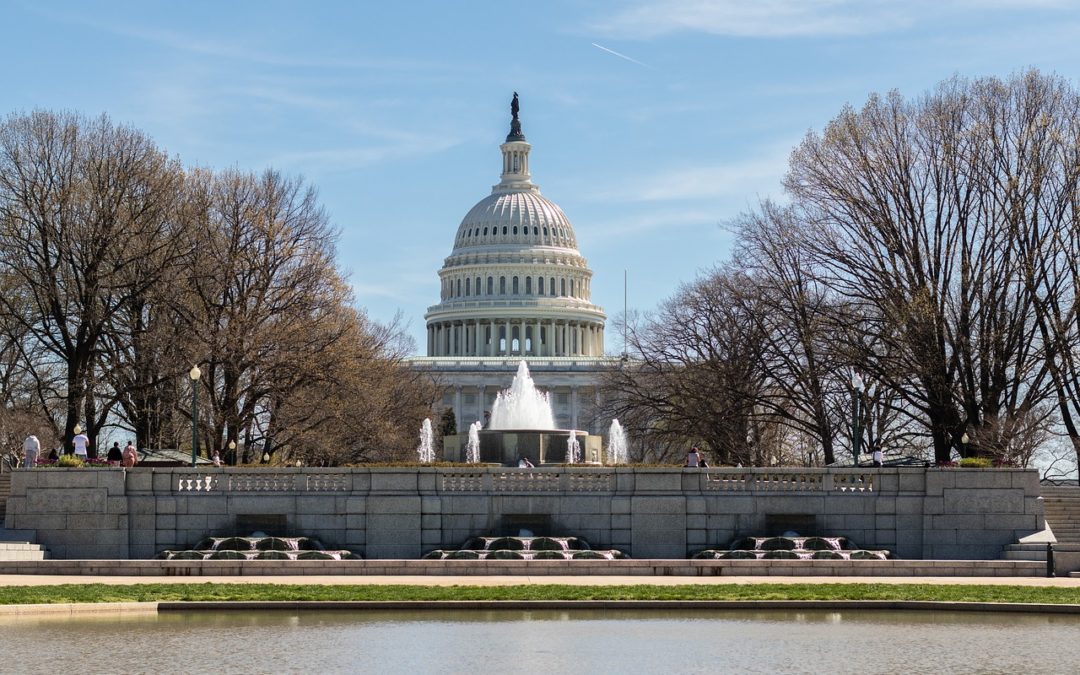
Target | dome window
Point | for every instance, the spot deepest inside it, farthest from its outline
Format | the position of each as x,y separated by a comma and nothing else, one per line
468,287
540,285
485,231
504,230
528,285
515,285
552,285
502,285
536,230
515,229
458,288
562,290
477,286
545,232
491,286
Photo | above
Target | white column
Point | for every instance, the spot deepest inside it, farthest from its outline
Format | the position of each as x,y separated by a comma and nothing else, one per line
494,338
573,408
458,412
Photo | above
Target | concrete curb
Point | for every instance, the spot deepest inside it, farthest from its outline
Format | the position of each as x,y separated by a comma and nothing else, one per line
79,608
83,609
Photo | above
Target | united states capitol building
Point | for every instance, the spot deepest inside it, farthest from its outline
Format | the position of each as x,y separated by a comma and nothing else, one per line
516,287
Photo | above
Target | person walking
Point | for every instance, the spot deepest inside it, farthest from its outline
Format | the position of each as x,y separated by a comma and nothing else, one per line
81,443
31,448
116,455
130,455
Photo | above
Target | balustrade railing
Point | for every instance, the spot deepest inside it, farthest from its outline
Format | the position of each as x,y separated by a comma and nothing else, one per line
518,480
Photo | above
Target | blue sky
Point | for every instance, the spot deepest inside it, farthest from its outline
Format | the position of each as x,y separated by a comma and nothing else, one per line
395,110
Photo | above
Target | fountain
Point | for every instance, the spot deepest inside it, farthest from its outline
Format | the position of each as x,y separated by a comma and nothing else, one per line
793,548
525,548
472,450
616,450
257,547
522,426
426,451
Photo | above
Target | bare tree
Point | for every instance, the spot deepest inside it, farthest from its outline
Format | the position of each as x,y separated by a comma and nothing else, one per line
912,226
82,201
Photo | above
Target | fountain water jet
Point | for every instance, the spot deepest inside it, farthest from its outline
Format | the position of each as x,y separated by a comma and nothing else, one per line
522,406
573,449
472,450
616,451
426,451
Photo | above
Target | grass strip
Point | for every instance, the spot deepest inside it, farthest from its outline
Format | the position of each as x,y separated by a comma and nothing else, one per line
211,591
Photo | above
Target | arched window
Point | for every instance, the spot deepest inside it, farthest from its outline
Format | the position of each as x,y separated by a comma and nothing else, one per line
515,229
515,285
502,285
485,231
540,285
491,286
552,285
545,231
504,229
562,287
477,286
572,289
528,285
458,288
468,287
536,230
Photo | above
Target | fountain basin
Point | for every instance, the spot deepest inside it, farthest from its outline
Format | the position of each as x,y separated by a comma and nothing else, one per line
508,446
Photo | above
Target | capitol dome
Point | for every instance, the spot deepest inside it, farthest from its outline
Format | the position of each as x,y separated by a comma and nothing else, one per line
514,283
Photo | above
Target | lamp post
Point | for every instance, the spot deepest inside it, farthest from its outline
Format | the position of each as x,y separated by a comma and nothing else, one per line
232,452
857,386
963,444
194,374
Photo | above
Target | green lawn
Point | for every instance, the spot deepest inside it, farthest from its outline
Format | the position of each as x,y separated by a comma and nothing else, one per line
238,592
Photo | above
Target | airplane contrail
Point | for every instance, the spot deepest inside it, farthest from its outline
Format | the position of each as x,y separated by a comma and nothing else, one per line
623,56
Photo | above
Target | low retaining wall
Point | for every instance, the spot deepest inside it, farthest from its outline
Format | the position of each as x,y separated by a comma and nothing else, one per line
646,568
398,513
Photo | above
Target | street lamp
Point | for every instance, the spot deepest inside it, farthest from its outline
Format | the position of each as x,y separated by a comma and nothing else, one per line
963,444
194,374
232,451
857,386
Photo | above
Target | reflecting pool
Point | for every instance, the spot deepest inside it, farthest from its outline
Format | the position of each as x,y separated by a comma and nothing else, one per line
631,641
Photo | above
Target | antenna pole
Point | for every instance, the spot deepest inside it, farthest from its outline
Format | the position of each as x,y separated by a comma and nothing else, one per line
626,317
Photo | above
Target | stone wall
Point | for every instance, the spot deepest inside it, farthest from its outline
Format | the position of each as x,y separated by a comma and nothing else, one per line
648,512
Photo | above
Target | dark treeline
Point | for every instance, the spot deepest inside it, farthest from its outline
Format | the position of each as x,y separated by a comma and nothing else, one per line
121,269
932,246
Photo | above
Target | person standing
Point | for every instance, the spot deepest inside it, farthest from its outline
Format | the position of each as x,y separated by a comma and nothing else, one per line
131,455
115,454
31,448
81,443
879,458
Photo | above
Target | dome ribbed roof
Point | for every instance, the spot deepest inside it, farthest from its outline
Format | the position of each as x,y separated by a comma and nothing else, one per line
516,218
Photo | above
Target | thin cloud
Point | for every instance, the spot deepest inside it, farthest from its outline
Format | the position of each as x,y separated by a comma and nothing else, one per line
622,56
795,18
231,48
760,174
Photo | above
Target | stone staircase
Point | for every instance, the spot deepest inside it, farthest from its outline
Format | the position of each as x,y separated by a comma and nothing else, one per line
5,492
1061,507
21,550
1029,552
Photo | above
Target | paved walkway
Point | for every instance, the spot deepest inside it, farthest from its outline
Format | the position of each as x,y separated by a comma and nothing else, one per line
332,580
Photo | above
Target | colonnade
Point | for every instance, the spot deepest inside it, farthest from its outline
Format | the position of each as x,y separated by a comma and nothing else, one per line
515,337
